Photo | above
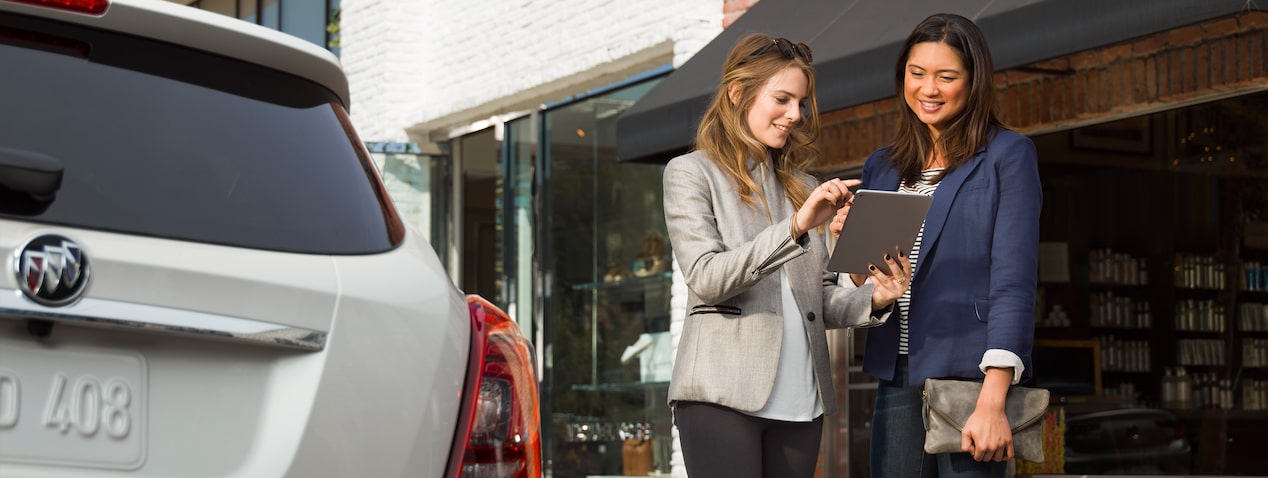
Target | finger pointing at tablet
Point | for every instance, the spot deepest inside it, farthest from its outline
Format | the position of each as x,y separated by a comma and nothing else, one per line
822,203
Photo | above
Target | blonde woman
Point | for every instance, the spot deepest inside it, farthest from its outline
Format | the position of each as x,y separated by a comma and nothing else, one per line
751,381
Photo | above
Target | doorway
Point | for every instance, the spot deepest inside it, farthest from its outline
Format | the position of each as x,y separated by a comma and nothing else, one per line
480,187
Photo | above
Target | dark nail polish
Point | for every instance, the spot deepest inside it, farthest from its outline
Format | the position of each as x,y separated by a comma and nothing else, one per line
900,254
871,268
888,258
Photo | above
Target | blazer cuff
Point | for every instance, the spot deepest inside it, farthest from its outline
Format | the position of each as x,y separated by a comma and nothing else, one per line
883,313
1001,358
803,240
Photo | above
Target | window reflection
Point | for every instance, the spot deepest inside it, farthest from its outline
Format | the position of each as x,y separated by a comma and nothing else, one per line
608,304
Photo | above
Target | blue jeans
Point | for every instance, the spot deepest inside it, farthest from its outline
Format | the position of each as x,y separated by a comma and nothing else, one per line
898,437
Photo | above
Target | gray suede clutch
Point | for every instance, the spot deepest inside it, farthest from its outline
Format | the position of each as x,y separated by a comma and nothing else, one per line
948,404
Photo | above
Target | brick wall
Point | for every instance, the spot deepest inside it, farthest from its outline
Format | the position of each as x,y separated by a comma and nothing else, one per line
1187,65
429,66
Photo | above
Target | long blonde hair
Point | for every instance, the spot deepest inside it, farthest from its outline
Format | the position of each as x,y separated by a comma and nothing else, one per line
724,133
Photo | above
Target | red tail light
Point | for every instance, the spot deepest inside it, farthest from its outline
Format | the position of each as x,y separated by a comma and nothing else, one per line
499,430
91,7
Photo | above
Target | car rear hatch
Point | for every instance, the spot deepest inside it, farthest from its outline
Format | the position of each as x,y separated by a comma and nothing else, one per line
185,359
169,305
172,348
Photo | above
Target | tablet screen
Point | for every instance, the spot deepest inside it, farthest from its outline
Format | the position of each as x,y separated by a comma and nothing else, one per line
879,222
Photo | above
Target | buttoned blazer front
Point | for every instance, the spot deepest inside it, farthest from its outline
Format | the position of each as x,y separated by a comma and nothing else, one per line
730,254
975,275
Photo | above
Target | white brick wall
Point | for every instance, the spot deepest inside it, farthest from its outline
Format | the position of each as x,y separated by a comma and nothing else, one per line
432,66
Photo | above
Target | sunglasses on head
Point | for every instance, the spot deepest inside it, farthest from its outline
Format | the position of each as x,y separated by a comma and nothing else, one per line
787,48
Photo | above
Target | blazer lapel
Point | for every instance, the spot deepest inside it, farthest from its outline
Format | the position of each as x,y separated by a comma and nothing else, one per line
936,218
888,179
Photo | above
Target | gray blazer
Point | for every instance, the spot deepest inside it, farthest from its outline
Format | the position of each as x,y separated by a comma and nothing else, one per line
729,253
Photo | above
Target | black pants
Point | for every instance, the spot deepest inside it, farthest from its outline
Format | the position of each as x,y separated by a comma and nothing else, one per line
720,442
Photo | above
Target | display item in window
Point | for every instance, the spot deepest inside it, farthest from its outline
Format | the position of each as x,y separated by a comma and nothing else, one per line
637,451
616,272
652,260
655,356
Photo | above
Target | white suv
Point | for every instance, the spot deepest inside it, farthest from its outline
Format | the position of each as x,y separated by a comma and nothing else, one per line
203,275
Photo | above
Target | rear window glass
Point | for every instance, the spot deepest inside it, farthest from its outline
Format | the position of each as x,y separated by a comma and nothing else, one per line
163,141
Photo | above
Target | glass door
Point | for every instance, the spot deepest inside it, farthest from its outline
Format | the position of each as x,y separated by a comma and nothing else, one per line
606,279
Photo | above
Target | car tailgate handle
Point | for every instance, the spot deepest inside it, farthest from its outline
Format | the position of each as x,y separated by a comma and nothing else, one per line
36,174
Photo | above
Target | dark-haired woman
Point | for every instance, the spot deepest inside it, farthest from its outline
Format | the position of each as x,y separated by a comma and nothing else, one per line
969,313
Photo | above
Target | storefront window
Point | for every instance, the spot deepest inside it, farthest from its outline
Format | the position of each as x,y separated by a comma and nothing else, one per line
516,223
419,187
307,20
1152,315
607,280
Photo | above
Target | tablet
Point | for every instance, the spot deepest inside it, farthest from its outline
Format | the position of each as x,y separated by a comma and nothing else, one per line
879,222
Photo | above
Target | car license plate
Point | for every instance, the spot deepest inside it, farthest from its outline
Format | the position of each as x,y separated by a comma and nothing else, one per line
72,406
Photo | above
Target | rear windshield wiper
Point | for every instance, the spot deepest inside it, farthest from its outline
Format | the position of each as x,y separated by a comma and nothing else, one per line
39,175
28,180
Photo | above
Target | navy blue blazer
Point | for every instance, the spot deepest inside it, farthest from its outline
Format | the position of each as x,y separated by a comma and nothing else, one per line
975,278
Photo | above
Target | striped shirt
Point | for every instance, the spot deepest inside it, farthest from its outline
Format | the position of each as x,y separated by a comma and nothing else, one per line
926,186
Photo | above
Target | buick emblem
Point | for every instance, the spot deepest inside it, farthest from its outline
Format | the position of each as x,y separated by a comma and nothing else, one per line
51,270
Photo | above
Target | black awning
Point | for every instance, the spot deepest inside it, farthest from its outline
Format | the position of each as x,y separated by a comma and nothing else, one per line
855,44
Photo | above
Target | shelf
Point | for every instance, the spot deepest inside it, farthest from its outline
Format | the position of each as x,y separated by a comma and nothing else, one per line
1125,330
654,280
619,387
1118,286
1200,291
1206,333
1218,413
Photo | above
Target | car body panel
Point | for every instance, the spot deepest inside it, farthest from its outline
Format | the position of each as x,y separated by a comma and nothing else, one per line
210,32
404,406
1127,441
288,290
388,381
250,345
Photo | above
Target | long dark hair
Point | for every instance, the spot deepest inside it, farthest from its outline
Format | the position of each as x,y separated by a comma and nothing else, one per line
723,132
972,128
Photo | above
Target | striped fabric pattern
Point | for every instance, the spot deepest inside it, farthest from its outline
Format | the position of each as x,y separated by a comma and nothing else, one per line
924,186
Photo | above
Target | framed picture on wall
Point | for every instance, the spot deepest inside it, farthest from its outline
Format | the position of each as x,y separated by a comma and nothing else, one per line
1131,135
